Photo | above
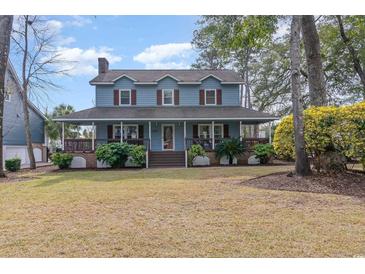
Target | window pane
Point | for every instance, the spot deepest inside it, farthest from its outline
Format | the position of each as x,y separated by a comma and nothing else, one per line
124,97
130,132
167,97
204,131
218,132
210,97
117,132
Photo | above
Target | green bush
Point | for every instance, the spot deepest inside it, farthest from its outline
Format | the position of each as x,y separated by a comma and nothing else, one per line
13,164
62,160
114,154
138,154
264,152
195,150
229,147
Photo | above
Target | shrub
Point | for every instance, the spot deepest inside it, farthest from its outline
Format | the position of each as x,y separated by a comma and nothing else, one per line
195,150
13,164
327,130
62,160
114,154
264,152
138,154
229,147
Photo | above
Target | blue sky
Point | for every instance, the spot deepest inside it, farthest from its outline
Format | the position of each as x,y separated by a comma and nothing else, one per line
127,42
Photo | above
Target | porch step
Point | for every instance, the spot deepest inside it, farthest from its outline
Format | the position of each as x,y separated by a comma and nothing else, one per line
167,159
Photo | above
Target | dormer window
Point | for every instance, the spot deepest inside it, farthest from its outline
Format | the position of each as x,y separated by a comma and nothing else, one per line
210,97
168,97
125,97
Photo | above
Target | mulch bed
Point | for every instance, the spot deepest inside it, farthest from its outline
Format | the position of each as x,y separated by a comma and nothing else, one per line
350,183
26,174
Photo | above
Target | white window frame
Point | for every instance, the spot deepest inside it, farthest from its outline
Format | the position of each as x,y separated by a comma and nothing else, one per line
210,129
172,97
125,125
215,96
120,97
173,137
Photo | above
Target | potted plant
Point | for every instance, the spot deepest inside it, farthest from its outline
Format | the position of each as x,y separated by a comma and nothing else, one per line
231,148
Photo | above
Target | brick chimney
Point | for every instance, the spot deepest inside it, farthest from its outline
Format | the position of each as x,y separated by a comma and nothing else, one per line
103,65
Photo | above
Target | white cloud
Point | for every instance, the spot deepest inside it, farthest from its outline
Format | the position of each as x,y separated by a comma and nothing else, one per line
79,61
54,26
172,55
79,21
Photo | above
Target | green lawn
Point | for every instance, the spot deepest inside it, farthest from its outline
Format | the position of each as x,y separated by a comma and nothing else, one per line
196,212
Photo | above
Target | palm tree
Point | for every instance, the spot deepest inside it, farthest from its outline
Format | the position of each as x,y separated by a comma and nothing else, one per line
54,129
232,148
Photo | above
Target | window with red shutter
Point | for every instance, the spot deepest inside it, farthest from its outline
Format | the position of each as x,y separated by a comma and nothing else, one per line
201,97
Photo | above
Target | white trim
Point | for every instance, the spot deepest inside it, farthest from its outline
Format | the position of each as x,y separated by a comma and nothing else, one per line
173,137
163,96
166,119
63,136
240,130
101,83
124,125
222,129
124,75
120,97
232,83
184,135
167,75
215,96
210,75
211,129
150,134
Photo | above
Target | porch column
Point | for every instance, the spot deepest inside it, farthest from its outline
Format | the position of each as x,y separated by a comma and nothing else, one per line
270,132
63,136
93,136
184,135
121,131
241,131
149,134
212,135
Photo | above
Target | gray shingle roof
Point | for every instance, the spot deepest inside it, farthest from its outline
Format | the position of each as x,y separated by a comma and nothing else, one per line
154,75
168,113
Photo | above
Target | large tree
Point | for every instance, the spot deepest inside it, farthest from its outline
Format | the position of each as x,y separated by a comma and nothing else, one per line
6,22
39,61
302,167
317,88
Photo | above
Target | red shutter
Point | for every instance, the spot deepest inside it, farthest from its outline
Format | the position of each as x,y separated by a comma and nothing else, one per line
140,132
116,97
201,97
195,131
176,97
219,96
159,97
133,97
225,131
110,131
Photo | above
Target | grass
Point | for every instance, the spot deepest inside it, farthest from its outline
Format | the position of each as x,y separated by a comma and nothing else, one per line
197,212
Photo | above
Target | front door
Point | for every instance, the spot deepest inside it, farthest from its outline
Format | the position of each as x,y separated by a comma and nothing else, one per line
168,137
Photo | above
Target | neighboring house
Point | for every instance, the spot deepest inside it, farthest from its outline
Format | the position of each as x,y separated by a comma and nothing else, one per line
166,110
13,133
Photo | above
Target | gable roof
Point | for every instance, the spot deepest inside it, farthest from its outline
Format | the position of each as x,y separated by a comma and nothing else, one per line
12,71
152,76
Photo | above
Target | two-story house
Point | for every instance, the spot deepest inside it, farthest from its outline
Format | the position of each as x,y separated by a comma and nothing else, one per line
14,144
166,110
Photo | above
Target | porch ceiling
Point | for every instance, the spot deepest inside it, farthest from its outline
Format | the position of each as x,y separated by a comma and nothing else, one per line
136,113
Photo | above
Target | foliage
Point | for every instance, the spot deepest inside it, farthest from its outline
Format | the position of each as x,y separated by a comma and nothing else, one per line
13,164
229,147
138,154
114,154
264,152
340,129
195,150
62,160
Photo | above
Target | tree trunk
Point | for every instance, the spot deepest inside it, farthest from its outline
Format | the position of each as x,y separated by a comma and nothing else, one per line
6,23
317,88
302,167
355,59
24,95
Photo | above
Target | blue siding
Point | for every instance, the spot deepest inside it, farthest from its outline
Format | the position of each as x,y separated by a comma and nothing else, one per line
146,94
13,132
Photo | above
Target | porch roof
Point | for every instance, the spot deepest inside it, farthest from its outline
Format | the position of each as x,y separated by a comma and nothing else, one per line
137,113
